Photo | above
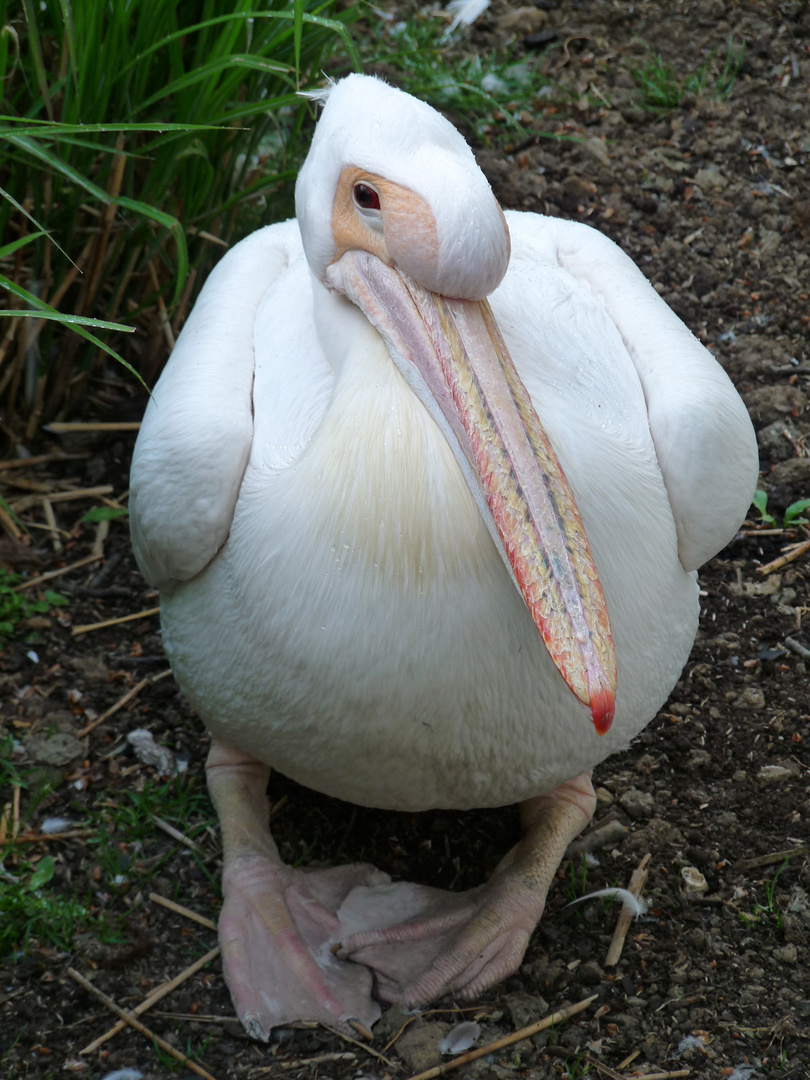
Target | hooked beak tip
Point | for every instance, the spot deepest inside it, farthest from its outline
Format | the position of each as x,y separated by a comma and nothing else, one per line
602,707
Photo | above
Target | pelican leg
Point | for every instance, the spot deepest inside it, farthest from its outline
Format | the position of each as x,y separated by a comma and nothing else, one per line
277,922
466,942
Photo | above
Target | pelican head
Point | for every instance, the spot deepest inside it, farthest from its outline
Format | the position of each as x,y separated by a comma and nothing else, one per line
396,215
388,174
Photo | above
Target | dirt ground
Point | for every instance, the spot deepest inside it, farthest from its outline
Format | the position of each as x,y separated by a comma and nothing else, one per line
712,200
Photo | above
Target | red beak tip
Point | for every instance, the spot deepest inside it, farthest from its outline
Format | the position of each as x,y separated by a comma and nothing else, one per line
602,710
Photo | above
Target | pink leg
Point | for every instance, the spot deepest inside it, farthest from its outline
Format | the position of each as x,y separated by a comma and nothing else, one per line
277,923
467,942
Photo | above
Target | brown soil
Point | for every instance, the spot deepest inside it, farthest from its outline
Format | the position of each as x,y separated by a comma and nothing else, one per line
713,202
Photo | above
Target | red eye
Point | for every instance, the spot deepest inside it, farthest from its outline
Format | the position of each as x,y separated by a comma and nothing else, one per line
366,197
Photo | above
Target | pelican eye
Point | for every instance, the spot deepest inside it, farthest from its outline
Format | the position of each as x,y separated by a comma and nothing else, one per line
366,197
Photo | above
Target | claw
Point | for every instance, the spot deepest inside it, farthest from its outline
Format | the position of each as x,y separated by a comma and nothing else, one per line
254,1029
360,1028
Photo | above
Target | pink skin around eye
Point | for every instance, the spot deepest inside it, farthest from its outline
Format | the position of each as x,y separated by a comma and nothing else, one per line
366,197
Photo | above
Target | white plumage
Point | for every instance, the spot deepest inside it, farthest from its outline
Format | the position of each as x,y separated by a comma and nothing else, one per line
333,603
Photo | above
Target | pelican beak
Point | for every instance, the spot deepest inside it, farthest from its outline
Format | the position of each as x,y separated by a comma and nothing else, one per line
453,356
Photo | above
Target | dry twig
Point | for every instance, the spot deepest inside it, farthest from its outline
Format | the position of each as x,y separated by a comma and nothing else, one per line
133,1022
9,525
792,553
53,528
156,898
516,1036
122,701
626,1061
638,880
102,531
616,1075
39,459
600,1065
156,996
4,815
181,838
87,627
163,315
662,1075
769,860
356,1042
45,838
71,495
59,428
51,574
303,1063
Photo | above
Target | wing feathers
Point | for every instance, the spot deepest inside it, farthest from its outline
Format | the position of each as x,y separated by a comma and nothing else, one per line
703,436
197,432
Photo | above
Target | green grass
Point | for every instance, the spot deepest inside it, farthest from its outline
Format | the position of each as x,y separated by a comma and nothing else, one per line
576,1067
769,910
136,138
664,87
577,884
126,825
30,906
488,92
124,852
794,514
17,606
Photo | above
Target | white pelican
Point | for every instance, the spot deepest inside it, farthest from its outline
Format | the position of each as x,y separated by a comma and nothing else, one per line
373,574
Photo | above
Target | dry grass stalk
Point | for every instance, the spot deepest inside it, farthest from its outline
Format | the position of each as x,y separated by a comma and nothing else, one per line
156,996
36,411
102,530
630,1058
51,574
133,1022
27,501
15,812
346,1055
53,528
46,838
102,238
14,809
9,525
662,1075
163,314
524,1033
87,627
24,483
367,1035
181,838
276,808
769,860
600,1065
113,709
156,898
59,427
637,883
39,459
614,1074
795,551
182,307
64,285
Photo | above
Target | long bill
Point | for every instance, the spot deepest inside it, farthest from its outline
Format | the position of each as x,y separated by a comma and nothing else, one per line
452,354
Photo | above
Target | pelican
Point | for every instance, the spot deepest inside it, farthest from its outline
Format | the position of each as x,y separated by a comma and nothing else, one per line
424,487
